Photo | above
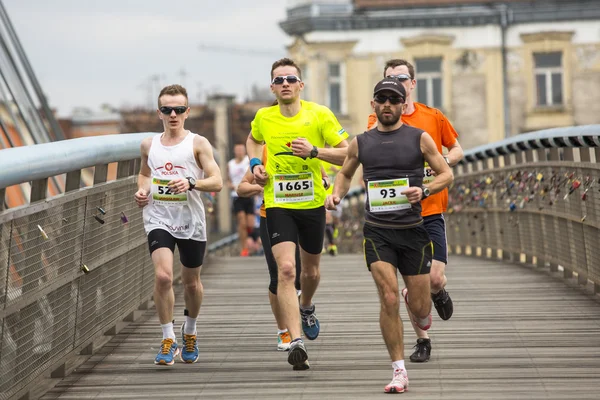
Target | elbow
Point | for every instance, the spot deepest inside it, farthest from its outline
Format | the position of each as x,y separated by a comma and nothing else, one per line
219,185
450,178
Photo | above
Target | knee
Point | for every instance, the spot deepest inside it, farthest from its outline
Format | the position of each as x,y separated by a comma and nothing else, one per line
287,271
390,301
192,286
163,281
437,281
420,307
310,273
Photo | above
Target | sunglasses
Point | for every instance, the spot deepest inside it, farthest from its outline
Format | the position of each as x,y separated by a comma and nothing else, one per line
401,77
381,99
168,110
291,79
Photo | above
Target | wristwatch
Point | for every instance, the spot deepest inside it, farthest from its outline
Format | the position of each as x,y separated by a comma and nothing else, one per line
426,192
314,152
447,160
191,181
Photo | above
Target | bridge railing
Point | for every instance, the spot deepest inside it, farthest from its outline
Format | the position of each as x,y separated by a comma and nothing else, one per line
72,267
534,199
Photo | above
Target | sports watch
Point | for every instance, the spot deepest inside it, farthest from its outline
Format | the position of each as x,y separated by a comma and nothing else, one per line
314,152
191,181
426,192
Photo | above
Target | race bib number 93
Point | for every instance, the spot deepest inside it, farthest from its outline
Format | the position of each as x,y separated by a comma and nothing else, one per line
386,195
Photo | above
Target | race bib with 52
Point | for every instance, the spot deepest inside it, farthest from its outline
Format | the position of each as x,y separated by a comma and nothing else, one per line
162,195
386,195
293,188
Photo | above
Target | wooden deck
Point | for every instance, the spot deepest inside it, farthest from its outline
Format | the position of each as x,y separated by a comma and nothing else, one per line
516,333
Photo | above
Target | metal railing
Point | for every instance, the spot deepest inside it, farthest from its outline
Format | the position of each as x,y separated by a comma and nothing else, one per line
533,198
73,267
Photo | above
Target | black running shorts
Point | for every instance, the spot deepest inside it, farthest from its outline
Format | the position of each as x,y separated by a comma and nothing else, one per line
305,226
191,252
409,250
436,227
243,204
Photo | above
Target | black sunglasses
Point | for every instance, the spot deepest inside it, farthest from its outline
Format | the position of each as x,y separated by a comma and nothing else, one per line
278,80
178,110
400,77
381,99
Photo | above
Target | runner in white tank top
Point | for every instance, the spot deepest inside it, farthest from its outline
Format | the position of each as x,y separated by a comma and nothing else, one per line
176,166
181,214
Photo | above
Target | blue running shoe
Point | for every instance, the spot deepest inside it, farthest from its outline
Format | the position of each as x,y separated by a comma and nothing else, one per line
168,352
310,323
189,347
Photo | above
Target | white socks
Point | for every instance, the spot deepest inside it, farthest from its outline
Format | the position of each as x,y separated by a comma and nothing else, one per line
398,365
168,332
190,326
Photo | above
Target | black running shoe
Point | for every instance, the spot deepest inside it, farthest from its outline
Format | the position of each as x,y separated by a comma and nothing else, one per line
422,351
443,304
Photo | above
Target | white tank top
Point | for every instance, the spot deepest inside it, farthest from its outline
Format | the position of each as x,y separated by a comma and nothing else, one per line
182,215
237,172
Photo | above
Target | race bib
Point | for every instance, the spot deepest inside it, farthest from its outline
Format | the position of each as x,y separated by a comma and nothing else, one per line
427,174
161,194
387,195
293,188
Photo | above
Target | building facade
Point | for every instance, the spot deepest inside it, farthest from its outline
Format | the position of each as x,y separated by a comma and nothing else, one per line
495,68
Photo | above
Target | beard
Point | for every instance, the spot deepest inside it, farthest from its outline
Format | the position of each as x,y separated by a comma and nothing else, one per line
387,119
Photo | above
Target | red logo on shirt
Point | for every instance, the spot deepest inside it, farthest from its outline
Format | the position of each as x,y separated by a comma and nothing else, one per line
168,166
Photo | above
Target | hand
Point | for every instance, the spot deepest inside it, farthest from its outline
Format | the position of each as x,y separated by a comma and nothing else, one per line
141,198
179,185
331,202
260,175
413,194
301,147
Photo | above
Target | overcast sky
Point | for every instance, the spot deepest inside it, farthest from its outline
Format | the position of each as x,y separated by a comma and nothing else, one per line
86,53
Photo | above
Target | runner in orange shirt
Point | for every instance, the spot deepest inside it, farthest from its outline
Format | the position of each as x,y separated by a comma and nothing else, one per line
434,122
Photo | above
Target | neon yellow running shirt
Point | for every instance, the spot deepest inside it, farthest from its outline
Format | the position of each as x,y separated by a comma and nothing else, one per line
295,182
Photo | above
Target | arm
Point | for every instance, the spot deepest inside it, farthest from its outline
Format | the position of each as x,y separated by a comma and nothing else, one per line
212,182
254,150
334,155
441,169
344,177
144,177
455,154
247,188
443,173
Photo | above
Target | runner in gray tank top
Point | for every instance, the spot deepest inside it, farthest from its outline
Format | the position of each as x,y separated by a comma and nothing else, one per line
392,156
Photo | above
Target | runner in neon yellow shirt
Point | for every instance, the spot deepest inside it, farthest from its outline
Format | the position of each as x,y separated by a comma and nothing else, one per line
295,133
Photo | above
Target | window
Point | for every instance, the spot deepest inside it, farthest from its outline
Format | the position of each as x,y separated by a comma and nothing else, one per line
548,78
429,78
336,89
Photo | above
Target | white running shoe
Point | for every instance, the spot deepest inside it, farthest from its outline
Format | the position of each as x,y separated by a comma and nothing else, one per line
399,383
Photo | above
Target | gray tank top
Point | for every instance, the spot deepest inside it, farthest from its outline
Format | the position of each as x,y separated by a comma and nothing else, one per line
391,162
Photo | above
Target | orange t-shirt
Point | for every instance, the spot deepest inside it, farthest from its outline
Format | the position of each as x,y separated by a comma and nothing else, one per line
434,122
263,211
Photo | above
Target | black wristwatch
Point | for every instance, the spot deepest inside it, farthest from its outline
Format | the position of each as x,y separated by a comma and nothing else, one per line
426,192
314,152
191,181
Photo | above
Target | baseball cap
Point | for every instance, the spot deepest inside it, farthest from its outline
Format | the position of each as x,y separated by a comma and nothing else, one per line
392,85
